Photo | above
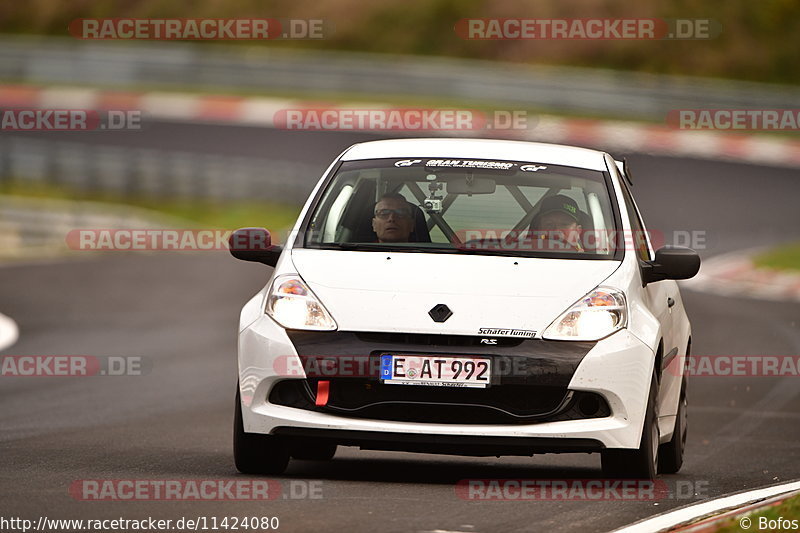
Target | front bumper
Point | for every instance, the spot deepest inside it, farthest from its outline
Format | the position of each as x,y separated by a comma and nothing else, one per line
617,368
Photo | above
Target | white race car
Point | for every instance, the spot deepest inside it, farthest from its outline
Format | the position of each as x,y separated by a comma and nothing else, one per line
468,297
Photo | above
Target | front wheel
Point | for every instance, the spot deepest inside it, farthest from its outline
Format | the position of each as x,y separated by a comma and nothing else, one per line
255,453
641,463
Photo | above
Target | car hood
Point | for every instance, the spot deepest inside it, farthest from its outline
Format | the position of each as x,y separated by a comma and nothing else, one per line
393,292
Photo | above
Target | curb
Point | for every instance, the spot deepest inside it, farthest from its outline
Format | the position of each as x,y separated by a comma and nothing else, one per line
711,524
690,517
733,274
253,111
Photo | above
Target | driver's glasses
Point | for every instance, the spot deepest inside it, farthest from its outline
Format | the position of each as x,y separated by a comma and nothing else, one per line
384,214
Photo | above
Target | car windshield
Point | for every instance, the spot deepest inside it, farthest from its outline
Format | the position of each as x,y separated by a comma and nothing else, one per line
465,206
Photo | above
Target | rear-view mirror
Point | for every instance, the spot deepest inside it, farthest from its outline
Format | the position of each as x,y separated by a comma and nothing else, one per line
471,185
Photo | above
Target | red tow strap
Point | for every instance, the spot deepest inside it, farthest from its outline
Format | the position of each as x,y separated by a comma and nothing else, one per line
323,388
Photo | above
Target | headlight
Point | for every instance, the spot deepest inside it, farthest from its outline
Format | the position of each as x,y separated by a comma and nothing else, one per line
598,314
292,305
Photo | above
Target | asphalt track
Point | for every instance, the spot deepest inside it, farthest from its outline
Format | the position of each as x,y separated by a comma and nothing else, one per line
178,311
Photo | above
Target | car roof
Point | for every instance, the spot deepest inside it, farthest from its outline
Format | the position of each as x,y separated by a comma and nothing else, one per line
554,154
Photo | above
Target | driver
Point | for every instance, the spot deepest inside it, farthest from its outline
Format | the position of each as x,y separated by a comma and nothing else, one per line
557,226
393,219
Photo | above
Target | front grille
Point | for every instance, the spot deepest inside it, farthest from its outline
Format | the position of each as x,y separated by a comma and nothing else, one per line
506,404
529,381
514,361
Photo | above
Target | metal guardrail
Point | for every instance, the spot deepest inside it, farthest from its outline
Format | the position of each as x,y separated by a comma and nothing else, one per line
155,173
205,66
216,67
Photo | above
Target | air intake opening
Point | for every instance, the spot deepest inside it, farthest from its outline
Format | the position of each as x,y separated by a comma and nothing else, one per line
589,405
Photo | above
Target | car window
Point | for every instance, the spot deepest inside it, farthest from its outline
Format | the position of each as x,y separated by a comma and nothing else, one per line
335,212
466,206
638,234
496,211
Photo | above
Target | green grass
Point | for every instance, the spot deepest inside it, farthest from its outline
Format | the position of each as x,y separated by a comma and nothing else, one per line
198,214
788,510
783,258
230,215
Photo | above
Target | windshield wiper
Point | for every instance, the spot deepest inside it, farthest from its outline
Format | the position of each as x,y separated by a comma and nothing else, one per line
489,251
384,247
561,254
411,247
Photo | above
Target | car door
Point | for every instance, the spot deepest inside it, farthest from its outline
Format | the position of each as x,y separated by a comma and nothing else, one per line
660,296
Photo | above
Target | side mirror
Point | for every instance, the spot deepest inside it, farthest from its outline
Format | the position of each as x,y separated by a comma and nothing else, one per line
671,262
254,244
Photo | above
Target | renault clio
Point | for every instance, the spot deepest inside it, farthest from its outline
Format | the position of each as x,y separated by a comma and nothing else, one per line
469,297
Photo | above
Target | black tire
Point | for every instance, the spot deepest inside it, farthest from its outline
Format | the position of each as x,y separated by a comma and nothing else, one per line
641,463
312,451
670,454
255,453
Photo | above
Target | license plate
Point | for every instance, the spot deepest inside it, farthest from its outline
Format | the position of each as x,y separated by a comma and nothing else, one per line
435,371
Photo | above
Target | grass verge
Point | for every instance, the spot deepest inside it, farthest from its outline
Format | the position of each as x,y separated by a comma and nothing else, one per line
198,214
786,257
766,520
